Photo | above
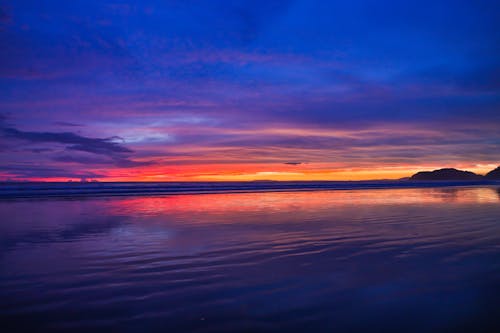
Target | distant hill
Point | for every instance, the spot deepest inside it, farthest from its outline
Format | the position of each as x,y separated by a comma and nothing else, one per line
446,174
493,174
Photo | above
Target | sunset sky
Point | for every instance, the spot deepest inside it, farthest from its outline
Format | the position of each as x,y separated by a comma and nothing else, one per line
242,90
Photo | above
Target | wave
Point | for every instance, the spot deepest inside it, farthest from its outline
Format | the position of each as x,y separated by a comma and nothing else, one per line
42,189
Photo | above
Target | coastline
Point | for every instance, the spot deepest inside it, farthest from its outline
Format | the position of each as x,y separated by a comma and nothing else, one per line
102,189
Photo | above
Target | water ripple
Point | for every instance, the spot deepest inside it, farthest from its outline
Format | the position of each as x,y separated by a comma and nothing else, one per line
253,262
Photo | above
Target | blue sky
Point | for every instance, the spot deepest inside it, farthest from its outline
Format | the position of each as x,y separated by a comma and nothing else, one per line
206,90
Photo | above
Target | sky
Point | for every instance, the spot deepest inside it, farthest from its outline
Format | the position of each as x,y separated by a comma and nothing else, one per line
247,90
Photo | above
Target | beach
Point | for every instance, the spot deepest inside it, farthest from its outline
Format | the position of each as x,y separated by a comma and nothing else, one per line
370,259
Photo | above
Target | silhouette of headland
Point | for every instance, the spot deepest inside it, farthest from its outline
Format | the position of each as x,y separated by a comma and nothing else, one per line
454,174
493,174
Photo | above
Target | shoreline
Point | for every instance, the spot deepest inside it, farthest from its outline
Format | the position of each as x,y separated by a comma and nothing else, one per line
88,190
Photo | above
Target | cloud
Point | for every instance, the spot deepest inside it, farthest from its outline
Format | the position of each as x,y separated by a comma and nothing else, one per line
118,161
30,170
38,150
87,153
106,146
293,163
63,123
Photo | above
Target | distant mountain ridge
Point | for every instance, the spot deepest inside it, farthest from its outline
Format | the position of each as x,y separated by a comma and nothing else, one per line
455,174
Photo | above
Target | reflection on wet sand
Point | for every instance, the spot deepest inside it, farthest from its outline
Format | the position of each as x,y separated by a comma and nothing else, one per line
304,200
390,260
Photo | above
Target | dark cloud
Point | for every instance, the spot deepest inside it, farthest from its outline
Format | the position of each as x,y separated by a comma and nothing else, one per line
118,161
63,123
88,159
87,152
31,170
106,146
293,163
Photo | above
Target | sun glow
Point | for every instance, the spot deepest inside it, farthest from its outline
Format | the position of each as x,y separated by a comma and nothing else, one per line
253,172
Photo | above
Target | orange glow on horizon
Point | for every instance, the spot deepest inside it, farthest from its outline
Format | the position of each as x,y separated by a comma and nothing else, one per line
252,172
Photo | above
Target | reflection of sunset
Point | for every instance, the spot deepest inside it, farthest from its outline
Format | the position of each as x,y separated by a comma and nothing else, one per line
171,256
302,201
